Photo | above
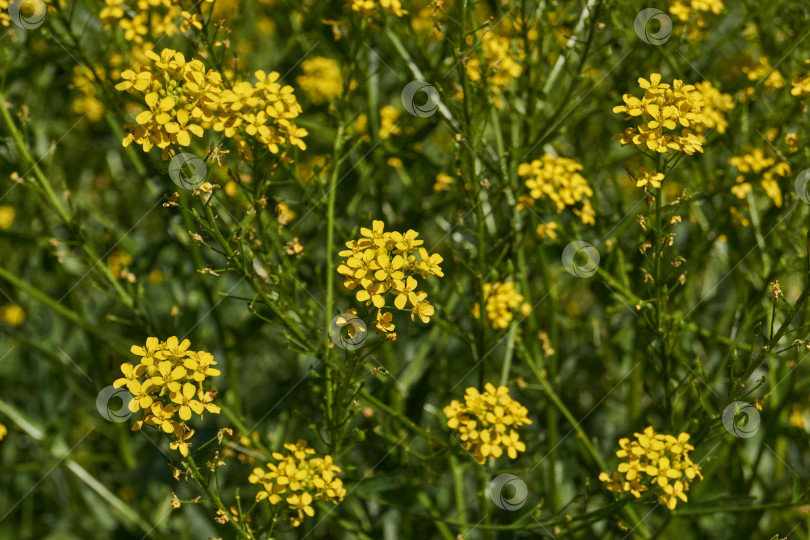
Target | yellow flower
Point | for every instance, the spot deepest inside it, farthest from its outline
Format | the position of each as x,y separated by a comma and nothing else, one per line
181,444
487,422
370,7
3,431
387,262
502,62
169,381
654,462
755,162
646,177
671,116
301,478
186,402
321,79
389,117
443,182
12,315
557,179
7,214
184,98
547,230
502,299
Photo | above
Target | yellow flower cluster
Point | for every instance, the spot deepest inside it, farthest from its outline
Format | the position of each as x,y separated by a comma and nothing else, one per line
559,180
389,119
148,18
483,420
644,176
502,299
386,262
656,462
87,103
715,105
684,10
663,110
756,162
763,69
168,384
7,216
183,99
443,182
300,479
370,8
12,314
501,66
801,85
3,431
321,79
32,10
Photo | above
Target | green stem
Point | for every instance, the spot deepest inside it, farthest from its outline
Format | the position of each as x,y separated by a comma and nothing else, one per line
195,472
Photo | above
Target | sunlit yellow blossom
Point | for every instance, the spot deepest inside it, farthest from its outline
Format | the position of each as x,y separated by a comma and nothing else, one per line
7,215
372,8
183,98
502,299
321,79
12,314
670,117
487,422
443,182
769,169
557,179
389,116
385,264
654,462
169,385
502,62
298,478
